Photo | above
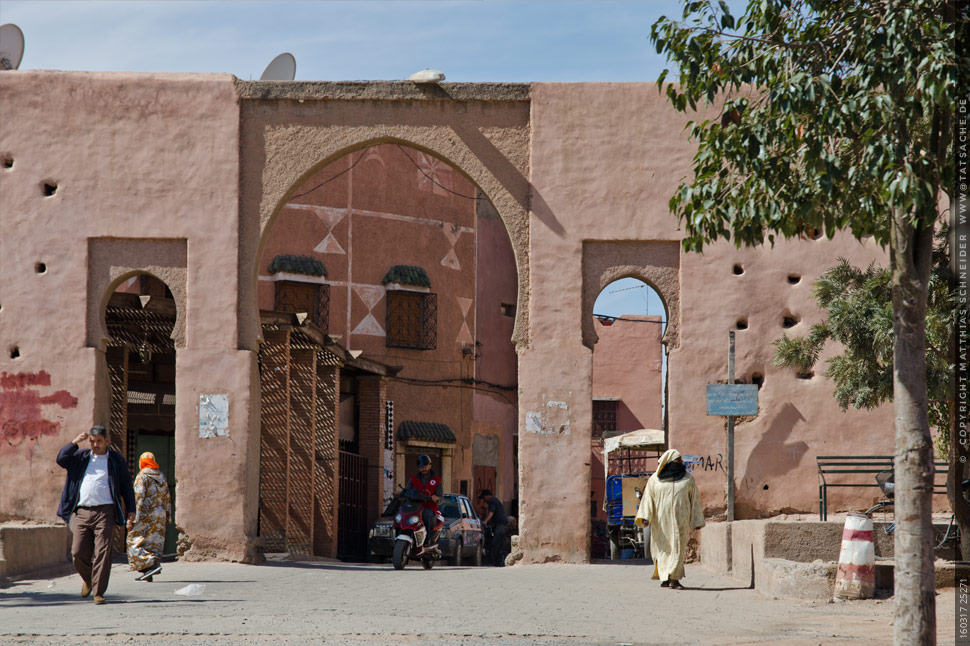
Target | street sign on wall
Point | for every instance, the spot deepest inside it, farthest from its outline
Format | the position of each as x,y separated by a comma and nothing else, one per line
732,399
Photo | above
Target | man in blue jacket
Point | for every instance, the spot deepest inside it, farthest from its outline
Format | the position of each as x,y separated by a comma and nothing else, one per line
97,482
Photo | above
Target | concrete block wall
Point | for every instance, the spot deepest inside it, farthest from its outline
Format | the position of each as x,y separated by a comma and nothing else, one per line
715,549
793,559
28,548
727,548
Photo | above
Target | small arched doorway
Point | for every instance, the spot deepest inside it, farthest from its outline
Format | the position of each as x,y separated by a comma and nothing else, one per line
629,385
140,316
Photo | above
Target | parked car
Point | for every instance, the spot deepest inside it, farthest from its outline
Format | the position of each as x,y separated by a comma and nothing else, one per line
460,541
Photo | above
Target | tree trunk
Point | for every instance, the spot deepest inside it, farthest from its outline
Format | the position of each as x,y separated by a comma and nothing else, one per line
914,621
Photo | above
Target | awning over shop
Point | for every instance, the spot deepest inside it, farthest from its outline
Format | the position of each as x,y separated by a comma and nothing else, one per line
425,431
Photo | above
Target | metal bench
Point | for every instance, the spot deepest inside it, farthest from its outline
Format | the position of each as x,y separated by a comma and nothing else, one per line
864,464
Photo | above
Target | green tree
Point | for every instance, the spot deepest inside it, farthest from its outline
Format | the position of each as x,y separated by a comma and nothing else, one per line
835,116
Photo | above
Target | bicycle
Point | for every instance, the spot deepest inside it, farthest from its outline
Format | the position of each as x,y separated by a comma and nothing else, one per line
886,481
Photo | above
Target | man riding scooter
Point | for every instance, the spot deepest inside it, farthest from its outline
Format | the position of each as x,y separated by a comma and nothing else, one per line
427,482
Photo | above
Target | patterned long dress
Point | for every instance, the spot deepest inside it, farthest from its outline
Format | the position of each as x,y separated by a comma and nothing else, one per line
146,540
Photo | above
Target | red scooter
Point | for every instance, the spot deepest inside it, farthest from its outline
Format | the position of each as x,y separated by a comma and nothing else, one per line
410,531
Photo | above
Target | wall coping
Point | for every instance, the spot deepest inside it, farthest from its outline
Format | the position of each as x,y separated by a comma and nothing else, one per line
381,91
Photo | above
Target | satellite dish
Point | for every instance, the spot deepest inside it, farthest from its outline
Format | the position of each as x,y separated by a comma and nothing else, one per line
11,46
427,76
281,68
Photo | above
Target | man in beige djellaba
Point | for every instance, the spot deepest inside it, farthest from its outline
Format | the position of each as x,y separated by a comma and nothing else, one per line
671,506
146,540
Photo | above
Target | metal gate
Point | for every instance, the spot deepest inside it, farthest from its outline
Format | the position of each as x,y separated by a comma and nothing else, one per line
352,509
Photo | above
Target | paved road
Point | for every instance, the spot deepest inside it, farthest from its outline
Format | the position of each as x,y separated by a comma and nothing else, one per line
296,603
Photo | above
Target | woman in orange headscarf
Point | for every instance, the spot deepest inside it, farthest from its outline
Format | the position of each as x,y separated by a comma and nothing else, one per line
153,504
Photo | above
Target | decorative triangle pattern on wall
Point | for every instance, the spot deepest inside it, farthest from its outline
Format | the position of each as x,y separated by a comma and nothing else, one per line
369,295
465,333
331,217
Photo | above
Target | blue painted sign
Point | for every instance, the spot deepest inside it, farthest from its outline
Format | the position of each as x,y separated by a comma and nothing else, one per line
732,399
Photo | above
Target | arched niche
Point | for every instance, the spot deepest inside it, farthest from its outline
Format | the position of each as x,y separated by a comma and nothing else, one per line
112,261
656,263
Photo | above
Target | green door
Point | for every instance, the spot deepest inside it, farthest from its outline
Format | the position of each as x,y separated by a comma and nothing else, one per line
162,444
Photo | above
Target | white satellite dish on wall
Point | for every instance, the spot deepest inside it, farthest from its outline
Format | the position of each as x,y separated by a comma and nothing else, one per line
11,46
281,68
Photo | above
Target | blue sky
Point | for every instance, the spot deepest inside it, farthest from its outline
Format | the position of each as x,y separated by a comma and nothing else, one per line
470,40
629,296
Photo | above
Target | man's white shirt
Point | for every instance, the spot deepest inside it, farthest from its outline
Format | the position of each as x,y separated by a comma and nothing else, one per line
95,489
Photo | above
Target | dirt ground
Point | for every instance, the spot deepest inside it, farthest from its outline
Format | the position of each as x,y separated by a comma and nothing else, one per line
291,603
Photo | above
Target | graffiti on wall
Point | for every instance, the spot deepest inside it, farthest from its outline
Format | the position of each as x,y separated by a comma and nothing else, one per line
22,420
704,462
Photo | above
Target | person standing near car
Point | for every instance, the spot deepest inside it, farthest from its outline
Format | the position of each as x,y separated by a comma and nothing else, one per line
427,482
498,522
96,484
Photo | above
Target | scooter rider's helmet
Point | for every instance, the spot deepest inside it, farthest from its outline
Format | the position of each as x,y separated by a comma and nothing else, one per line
424,460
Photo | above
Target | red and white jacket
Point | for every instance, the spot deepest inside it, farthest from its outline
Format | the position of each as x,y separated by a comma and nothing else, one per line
429,488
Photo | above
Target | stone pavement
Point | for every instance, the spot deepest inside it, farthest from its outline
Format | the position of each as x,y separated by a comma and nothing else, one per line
295,603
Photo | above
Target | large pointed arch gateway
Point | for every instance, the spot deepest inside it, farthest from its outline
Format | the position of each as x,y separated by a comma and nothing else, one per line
390,204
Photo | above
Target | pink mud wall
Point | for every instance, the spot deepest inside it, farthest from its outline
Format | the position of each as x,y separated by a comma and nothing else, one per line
605,160
136,159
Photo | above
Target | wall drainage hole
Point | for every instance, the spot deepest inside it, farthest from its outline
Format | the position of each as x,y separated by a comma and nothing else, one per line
40,268
794,279
7,161
742,324
765,487
805,375
738,270
14,352
789,321
49,189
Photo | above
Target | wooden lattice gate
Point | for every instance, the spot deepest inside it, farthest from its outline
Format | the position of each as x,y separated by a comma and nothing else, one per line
297,384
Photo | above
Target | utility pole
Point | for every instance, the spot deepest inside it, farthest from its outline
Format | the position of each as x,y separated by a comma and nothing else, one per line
731,400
